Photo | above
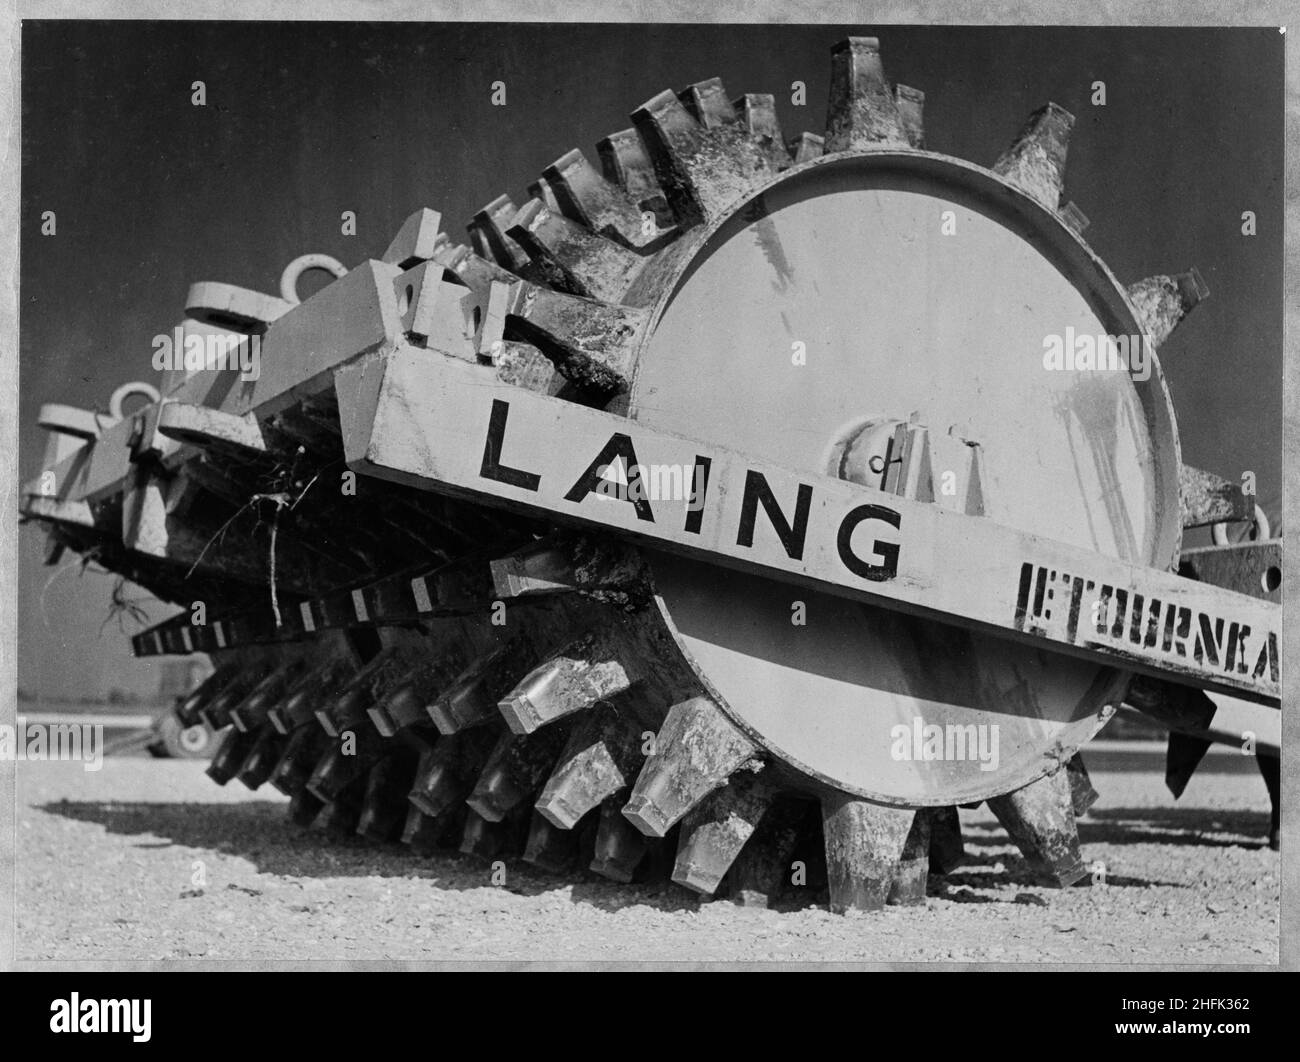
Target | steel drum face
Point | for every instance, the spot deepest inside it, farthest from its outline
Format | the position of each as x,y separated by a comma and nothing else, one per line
915,285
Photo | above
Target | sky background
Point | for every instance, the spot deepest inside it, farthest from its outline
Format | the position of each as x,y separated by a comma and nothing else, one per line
306,120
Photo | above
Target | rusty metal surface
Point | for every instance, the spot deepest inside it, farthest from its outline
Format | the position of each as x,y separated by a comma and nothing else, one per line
701,174
862,110
578,677
1163,301
864,844
1205,498
713,834
1040,819
1035,162
602,758
695,752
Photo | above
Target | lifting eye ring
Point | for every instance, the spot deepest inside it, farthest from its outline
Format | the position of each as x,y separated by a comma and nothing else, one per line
299,266
1256,530
138,387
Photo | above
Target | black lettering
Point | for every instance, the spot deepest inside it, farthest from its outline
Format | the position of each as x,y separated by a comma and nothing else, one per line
1236,658
699,489
619,445
1076,602
1167,641
1154,608
1267,659
791,535
886,551
492,467
1102,613
1183,631
1040,592
1211,638
1135,627
1022,598
1121,608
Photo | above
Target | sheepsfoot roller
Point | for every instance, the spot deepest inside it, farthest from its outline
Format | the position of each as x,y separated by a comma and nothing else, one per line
732,510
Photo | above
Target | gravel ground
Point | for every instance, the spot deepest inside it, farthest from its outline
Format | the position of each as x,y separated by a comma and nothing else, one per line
147,859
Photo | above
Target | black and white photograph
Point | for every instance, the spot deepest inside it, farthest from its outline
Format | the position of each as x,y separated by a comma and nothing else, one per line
648,489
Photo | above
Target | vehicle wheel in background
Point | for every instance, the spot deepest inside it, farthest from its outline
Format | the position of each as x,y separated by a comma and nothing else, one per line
183,742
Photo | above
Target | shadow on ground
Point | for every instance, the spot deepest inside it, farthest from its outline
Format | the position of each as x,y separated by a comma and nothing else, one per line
260,832
1201,827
